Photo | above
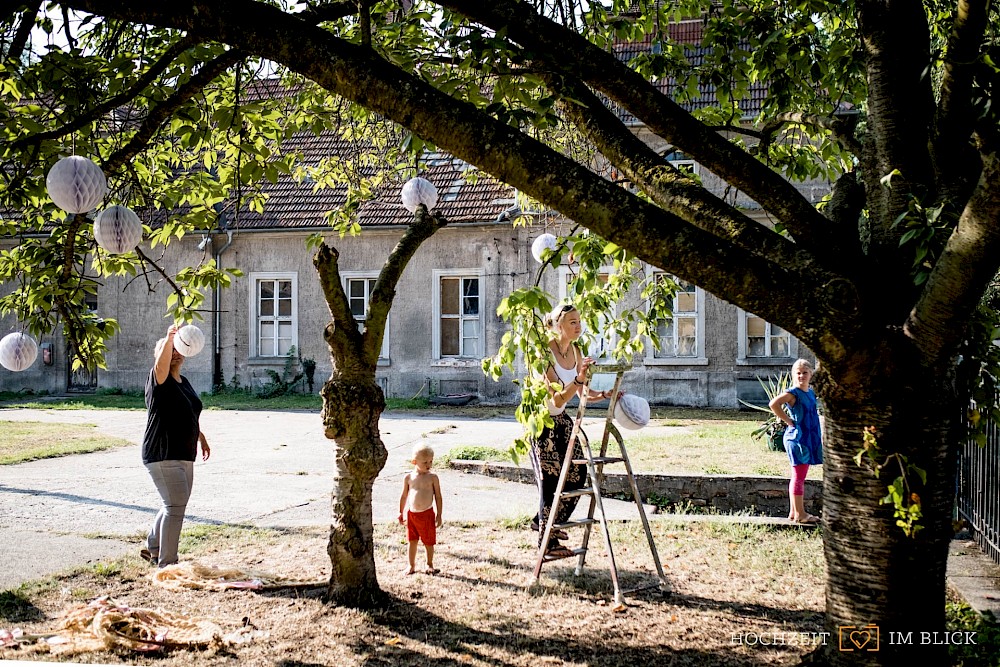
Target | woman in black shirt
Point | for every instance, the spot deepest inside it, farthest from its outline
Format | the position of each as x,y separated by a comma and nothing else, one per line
170,447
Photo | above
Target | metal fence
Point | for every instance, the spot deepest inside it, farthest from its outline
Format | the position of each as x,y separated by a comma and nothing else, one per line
978,489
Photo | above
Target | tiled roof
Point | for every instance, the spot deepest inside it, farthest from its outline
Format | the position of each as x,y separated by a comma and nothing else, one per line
298,205
688,34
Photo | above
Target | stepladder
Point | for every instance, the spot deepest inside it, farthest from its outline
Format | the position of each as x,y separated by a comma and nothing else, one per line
579,452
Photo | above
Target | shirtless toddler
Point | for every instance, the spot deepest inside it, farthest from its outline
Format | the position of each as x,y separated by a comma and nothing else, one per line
421,490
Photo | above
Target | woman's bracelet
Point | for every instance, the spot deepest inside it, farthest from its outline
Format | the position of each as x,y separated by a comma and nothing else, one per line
577,381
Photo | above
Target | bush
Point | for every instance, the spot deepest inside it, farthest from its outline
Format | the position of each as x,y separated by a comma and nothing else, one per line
478,453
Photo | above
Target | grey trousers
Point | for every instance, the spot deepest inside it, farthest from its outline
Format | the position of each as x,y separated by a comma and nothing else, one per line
173,480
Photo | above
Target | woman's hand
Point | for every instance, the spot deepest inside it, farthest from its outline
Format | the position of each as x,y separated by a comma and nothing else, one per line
206,451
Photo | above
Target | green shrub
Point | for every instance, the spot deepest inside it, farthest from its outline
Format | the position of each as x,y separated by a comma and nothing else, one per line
478,453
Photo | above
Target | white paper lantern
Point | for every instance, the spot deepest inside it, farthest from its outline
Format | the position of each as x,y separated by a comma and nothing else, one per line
189,340
418,191
118,229
631,411
17,351
76,184
540,244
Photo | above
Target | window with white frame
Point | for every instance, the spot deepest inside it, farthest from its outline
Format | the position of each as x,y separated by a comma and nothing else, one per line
762,341
682,335
683,163
458,314
358,288
600,345
273,313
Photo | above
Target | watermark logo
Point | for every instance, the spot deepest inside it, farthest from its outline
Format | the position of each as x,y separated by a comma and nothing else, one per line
856,638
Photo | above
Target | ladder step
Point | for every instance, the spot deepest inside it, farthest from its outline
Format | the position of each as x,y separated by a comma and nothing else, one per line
573,552
600,460
576,523
577,493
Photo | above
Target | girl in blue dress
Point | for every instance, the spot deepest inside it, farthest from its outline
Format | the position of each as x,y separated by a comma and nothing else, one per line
796,407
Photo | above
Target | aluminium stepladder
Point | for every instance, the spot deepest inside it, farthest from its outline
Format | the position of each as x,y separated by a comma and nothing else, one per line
595,471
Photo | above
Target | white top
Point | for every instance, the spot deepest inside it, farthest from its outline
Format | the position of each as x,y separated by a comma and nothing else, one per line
566,377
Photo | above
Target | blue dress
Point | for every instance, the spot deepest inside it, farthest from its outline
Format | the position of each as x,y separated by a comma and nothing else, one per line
803,442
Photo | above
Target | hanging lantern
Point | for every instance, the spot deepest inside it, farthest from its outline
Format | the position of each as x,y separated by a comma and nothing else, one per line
118,229
189,340
76,184
543,242
631,411
418,191
17,351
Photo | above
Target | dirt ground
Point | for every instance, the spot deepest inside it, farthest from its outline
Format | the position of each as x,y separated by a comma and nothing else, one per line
733,588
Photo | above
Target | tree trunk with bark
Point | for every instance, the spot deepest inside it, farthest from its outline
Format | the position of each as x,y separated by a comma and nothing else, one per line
882,585
351,411
352,405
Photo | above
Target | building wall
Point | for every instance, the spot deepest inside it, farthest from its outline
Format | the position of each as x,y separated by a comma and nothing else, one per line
498,253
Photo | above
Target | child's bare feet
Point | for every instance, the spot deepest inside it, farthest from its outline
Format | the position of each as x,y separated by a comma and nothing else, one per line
431,570
410,570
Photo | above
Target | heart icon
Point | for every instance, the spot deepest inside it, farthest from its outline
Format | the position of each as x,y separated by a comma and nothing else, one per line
860,638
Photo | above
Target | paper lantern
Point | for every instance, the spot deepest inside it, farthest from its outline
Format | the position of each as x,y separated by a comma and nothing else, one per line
189,340
631,411
118,229
418,191
17,351
543,242
76,184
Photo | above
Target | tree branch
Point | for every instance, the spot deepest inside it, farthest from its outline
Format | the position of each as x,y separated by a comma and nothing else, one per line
422,228
346,343
90,115
955,161
822,302
549,41
969,261
665,185
840,129
161,113
24,27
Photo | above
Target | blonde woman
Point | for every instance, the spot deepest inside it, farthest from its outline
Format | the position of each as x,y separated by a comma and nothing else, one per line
567,377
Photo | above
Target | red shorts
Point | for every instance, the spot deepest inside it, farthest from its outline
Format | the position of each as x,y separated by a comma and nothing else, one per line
420,525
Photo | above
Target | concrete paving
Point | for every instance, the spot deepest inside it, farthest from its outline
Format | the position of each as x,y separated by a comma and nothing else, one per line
267,469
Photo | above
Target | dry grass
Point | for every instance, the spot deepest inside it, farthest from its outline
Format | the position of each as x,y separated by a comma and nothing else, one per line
483,609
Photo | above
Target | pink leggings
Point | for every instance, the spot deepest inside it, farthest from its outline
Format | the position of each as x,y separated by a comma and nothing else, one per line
797,485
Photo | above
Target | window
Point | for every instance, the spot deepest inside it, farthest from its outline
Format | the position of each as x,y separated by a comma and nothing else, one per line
273,314
683,163
681,336
359,290
761,341
458,313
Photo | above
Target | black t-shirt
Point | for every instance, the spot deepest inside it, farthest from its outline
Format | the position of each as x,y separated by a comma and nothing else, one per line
173,409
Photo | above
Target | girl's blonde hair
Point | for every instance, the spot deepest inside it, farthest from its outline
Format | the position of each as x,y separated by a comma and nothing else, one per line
554,317
159,347
803,362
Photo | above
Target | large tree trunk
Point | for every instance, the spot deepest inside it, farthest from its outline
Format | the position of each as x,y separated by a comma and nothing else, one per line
880,581
351,411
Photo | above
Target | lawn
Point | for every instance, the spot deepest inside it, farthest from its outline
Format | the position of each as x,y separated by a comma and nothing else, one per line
681,441
27,441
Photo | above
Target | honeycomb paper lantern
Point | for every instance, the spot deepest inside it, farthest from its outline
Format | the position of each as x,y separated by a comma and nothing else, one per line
17,351
540,244
118,229
76,184
189,340
632,412
419,191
